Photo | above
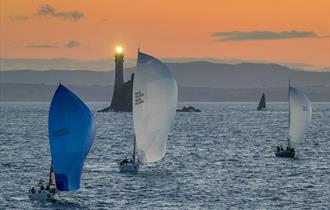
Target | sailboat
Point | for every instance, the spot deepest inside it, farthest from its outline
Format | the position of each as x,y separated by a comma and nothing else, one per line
71,129
300,115
262,103
155,94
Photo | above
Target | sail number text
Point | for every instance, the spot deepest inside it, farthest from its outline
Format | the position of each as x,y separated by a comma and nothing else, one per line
61,132
138,98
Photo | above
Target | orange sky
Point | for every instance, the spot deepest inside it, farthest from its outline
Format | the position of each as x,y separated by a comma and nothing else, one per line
171,28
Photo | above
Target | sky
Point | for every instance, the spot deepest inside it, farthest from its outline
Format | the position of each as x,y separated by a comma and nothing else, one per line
292,31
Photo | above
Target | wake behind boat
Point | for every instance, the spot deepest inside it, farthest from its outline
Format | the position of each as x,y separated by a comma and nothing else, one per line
300,115
155,96
71,130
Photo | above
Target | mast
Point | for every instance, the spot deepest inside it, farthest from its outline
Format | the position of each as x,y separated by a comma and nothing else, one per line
50,174
264,99
134,149
289,143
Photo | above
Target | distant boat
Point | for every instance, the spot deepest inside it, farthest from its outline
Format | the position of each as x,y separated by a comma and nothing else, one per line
300,115
155,96
71,129
262,103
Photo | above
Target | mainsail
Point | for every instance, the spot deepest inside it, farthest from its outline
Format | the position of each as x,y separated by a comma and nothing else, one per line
155,95
71,130
300,115
262,103
52,180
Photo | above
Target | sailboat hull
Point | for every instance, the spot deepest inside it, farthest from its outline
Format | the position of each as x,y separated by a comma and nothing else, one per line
44,195
285,154
129,168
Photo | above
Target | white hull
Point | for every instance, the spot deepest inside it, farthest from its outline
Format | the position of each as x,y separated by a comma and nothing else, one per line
129,168
44,195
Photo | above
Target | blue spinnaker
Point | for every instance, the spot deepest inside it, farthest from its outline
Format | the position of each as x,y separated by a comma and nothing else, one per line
71,129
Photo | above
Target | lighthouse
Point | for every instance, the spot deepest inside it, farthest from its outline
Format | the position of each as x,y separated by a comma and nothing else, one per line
122,91
119,74
119,78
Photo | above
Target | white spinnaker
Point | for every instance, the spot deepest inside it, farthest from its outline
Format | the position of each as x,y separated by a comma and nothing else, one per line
300,115
155,96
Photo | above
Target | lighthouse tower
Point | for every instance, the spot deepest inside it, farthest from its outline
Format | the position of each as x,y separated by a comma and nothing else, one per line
122,91
119,78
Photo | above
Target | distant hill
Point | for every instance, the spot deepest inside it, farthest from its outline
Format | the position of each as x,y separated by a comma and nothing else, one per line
40,92
193,74
198,81
245,75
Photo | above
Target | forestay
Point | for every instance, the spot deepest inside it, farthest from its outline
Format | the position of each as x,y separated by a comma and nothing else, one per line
154,106
300,115
71,130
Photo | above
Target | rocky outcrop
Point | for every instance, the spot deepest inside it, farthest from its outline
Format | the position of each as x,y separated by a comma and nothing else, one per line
122,100
188,109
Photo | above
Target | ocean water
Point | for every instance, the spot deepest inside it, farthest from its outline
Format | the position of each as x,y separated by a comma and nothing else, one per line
220,158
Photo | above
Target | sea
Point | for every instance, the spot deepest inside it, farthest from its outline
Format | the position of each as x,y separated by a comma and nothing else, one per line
220,158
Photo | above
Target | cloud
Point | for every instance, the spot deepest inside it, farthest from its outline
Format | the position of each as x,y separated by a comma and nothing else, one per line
262,35
72,44
19,17
41,46
45,10
69,44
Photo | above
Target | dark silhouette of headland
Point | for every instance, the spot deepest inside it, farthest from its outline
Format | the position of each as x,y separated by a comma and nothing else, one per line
122,92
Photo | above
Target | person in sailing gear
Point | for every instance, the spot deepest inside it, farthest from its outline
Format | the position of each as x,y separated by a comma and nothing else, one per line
53,190
42,187
33,190
281,147
47,188
289,147
124,162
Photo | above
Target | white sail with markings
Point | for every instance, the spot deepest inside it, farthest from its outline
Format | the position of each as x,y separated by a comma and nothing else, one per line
154,107
300,115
